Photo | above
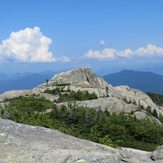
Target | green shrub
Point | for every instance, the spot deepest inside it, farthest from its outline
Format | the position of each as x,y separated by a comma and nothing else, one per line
98,126
77,96
157,98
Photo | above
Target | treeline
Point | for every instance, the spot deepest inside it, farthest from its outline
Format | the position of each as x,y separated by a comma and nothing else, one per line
98,126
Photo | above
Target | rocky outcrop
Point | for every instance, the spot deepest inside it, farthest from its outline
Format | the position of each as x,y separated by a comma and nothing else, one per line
23,143
111,104
114,99
157,155
142,115
14,93
137,97
81,79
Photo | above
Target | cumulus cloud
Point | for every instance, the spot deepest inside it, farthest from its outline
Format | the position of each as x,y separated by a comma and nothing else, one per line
28,45
102,43
149,50
110,53
105,53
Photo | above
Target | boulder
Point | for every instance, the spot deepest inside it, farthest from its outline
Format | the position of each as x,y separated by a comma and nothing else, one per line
142,115
157,154
23,143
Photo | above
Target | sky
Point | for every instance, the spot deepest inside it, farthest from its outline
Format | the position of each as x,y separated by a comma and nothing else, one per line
106,35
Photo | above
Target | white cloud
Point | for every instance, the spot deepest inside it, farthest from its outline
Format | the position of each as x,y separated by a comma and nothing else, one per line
105,53
109,53
28,45
149,50
102,43
64,59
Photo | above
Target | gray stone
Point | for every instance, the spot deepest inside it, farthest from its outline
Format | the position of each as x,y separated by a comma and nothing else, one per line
81,79
23,143
157,154
138,97
111,104
142,115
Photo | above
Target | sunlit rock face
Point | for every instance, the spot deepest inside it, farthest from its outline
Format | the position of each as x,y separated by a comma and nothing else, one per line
81,79
28,144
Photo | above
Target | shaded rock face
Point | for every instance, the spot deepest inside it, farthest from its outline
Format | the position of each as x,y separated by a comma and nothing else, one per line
23,143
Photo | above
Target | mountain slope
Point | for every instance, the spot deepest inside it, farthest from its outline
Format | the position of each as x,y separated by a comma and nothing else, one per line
79,103
68,86
3,76
145,81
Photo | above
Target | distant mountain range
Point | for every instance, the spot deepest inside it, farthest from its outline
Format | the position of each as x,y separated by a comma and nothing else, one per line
145,81
3,76
23,81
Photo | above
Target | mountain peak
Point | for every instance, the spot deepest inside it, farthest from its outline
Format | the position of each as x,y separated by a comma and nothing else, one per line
145,81
80,79
83,77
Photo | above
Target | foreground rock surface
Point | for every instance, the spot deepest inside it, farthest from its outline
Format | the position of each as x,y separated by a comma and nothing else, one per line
28,144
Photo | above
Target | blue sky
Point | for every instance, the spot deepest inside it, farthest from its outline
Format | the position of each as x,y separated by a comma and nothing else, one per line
93,33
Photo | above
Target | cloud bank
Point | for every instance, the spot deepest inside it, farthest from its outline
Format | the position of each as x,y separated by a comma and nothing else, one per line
110,53
28,45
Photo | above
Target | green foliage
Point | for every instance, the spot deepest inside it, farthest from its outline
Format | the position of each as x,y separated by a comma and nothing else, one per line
2,112
77,96
22,108
128,101
68,95
157,98
101,127
55,91
153,113
64,84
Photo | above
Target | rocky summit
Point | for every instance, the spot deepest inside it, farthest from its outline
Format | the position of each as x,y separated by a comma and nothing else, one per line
28,144
114,99
80,79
